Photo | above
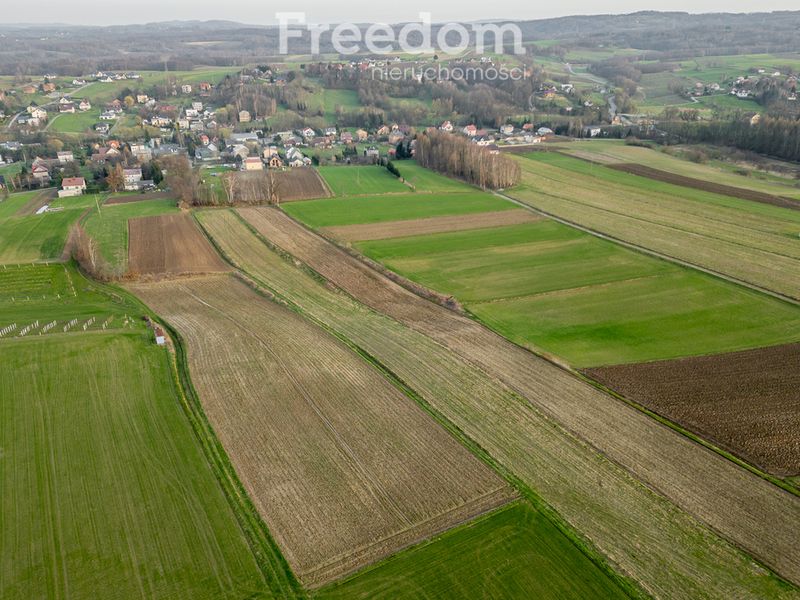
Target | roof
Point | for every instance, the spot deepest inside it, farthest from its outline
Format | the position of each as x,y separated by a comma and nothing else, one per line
73,182
252,159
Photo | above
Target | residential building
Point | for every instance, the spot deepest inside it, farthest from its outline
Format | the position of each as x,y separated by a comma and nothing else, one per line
133,178
252,163
65,157
72,186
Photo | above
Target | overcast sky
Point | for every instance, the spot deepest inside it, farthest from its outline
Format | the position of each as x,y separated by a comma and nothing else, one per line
94,12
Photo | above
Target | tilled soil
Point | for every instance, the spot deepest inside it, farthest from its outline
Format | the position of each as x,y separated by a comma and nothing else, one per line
747,402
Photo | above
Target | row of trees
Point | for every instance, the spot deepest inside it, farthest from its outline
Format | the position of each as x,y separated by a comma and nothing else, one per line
778,137
457,157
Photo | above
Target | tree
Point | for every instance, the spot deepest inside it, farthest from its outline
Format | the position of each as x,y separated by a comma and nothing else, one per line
181,178
115,178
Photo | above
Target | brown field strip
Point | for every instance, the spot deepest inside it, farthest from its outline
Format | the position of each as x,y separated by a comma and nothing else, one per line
342,466
703,483
706,186
746,402
300,184
170,245
395,229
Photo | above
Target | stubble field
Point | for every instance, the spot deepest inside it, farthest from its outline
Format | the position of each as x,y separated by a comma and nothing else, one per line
342,466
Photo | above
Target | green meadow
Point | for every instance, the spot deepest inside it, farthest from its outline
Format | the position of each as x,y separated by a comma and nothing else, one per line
514,552
425,180
378,209
361,180
592,302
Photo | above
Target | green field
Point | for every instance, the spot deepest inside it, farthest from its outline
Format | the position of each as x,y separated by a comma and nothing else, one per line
109,226
378,209
11,205
329,100
77,122
35,237
512,553
425,180
106,492
361,180
592,302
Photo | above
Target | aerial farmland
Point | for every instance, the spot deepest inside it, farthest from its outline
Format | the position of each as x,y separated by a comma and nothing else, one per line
276,324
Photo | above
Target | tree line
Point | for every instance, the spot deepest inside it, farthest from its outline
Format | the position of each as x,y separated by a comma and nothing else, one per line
455,156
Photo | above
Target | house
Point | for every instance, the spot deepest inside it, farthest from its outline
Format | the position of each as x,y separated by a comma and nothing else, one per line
320,142
243,138
133,177
507,129
142,98
330,131
346,137
102,128
470,130
252,163
383,130
198,106
372,152
65,157
447,126
544,131
396,137
78,82
161,339
593,131
48,87
84,105
269,152
308,133
40,172
158,121
206,154
204,139
205,86
29,89
108,116
241,151
186,88
141,152
104,154
72,186
183,123
67,107
275,162
37,113
361,135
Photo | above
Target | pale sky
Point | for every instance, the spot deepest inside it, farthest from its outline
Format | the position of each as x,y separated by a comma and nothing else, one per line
95,12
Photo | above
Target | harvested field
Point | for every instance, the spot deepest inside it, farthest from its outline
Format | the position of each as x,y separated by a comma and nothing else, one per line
170,245
704,484
300,184
706,186
746,402
342,466
634,527
397,229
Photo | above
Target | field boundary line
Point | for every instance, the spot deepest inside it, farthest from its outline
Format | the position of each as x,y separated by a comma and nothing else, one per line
616,573
654,253
266,553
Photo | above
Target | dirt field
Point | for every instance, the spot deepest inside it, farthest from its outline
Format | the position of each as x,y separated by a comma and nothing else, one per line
300,184
706,186
170,245
343,467
706,485
746,402
395,229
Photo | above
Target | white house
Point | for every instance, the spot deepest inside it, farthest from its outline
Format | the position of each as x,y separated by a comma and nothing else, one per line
133,177
72,186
